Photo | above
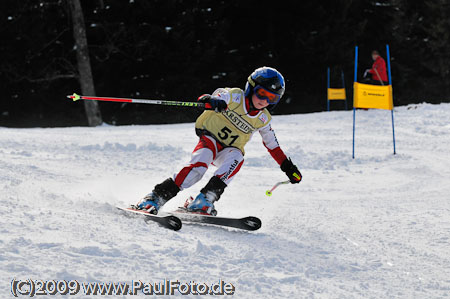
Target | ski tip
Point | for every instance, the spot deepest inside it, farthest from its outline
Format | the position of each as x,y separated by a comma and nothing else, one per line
168,221
252,223
174,222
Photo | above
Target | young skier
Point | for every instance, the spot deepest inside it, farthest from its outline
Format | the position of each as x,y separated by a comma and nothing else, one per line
233,117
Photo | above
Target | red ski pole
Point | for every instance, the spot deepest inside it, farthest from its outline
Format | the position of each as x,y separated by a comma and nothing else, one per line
269,192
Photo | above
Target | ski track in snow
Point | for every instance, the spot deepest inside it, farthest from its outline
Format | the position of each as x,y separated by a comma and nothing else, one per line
374,227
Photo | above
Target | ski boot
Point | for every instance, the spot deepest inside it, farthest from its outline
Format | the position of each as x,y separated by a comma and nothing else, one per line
204,202
153,201
201,205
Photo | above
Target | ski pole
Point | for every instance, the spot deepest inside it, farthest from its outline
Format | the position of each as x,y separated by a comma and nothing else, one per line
76,97
269,192
379,78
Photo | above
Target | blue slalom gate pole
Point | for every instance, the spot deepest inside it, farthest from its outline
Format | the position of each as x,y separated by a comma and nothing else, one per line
356,64
390,83
353,150
343,86
393,130
328,86
389,64
354,110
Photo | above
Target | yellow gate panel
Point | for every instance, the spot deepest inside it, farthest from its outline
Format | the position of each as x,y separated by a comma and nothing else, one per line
372,96
336,94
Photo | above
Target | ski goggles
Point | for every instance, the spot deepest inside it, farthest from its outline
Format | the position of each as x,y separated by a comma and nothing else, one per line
264,94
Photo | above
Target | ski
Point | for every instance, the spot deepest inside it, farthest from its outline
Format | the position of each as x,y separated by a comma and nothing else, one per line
168,221
247,223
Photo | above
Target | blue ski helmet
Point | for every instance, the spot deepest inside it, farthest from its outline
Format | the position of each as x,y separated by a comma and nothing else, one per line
267,78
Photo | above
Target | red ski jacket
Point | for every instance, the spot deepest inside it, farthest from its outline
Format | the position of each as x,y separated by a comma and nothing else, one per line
380,66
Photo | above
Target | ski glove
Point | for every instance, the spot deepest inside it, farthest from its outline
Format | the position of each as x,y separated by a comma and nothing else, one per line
291,171
213,103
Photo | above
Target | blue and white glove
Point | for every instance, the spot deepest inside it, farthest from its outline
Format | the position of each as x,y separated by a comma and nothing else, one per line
213,103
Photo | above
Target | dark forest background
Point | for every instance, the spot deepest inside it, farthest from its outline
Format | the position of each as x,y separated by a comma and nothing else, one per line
179,49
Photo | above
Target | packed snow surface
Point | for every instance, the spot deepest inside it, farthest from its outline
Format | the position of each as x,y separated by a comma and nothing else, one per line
377,226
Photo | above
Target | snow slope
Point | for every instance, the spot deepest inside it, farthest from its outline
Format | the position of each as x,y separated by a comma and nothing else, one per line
374,227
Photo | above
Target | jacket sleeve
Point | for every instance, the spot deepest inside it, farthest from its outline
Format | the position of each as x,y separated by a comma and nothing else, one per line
377,65
374,66
271,143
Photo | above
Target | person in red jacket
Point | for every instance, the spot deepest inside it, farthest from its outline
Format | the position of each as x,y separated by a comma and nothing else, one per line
378,70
